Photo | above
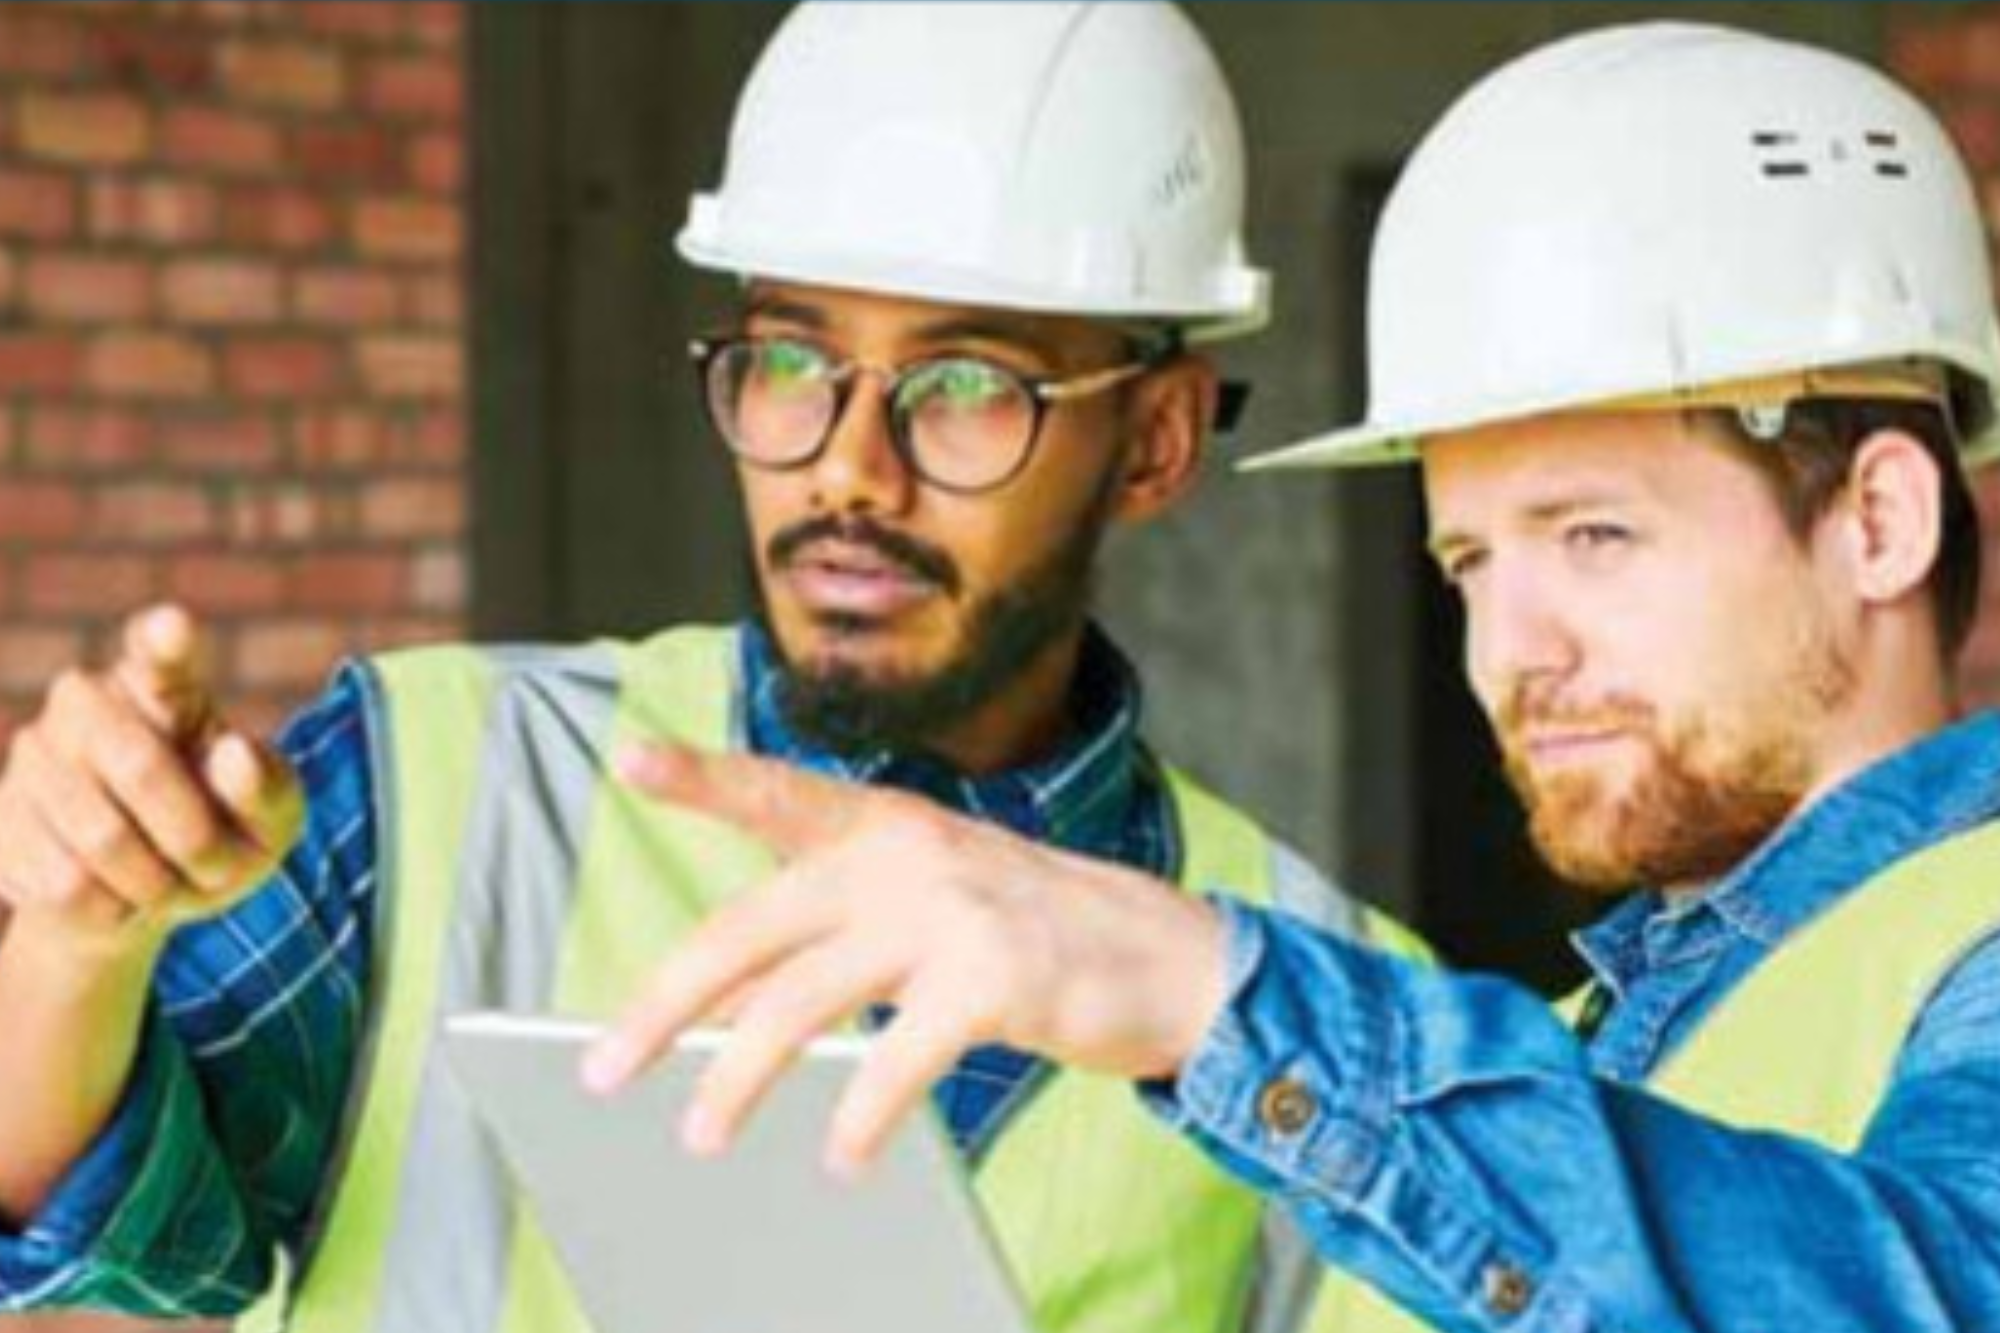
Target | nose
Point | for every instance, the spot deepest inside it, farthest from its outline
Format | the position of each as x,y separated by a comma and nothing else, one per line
1517,634
860,470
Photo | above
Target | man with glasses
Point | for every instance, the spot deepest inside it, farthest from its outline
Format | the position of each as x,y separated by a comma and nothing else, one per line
1693,333
976,244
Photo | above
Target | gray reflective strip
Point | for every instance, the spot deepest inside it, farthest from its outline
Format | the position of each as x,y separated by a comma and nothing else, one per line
1298,887
446,1266
1289,1272
1287,1279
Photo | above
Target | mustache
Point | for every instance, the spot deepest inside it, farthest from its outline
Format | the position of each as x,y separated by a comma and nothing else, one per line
1527,706
908,553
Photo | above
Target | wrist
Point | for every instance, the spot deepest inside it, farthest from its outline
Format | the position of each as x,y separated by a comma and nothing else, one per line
65,957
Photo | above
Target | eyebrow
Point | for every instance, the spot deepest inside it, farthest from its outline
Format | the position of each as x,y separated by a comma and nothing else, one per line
1541,515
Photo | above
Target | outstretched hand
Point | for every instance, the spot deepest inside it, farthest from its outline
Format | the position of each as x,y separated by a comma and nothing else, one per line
973,934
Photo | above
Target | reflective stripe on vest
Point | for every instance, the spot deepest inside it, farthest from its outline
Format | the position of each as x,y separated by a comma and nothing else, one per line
1807,1043
518,877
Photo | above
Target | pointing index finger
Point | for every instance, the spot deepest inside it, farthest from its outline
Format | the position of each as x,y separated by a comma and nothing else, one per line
790,809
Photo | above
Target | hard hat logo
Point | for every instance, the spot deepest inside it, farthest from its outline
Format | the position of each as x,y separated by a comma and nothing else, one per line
1066,158
1646,212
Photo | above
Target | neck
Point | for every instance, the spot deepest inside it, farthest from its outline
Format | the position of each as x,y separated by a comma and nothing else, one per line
1895,704
1025,720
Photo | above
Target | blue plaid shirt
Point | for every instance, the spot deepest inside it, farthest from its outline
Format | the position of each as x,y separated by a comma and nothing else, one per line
220,1146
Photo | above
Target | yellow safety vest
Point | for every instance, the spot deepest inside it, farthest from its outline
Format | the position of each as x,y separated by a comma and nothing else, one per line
517,876
1807,1043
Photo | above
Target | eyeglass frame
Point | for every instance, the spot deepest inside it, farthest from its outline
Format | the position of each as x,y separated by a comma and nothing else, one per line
1043,392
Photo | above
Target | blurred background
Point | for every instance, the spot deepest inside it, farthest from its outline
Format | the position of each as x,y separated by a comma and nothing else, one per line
357,323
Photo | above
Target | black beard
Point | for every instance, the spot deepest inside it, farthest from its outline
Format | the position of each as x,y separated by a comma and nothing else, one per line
843,710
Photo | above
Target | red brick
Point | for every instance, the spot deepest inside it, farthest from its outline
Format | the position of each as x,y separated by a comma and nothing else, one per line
154,57
40,511
378,635
87,129
437,162
65,583
277,219
150,365
359,583
221,291
9,444
154,513
86,287
437,581
341,439
37,205
412,367
32,656
438,302
436,23
1928,53
346,297
10,279
39,43
1978,53
352,154
413,507
223,141
406,228
39,363
288,513
293,655
298,76
164,211
437,439
94,438
215,583
429,88
1975,127
376,20
280,368
225,442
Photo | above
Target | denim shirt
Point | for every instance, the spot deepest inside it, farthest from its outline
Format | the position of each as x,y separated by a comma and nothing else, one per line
1452,1142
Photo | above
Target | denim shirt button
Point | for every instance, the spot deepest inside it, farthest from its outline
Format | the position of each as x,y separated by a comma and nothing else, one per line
1505,1289
1286,1106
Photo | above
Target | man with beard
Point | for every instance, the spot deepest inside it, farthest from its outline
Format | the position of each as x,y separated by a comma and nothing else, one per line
1692,332
976,244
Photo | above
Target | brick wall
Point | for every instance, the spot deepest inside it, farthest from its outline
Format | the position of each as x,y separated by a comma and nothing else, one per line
231,307
1950,56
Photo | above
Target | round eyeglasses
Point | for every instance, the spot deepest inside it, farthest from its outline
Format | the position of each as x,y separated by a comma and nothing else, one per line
961,423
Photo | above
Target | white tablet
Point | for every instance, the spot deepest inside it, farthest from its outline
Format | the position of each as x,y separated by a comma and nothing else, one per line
760,1240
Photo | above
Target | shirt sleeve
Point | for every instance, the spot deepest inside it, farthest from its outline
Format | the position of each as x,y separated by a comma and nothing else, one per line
218,1149
1442,1136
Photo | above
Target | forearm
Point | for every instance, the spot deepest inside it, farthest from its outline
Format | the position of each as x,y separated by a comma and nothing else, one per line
1460,1154
72,1018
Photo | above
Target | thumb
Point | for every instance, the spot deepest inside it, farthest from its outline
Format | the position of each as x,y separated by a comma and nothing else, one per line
163,668
779,804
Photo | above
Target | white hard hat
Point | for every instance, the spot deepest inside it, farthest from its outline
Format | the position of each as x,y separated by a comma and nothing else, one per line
1654,213
1069,158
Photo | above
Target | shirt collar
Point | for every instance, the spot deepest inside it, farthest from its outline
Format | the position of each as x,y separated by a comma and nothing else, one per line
1079,798
1921,794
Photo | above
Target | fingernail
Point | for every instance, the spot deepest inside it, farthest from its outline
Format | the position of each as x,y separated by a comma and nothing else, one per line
634,763
843,1165
701,1135
604,1067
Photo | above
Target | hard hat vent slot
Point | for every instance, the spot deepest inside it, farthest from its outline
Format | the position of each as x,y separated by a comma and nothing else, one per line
1773,165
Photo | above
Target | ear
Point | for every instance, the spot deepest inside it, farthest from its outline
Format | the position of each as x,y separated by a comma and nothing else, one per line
1893,516
1166,430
